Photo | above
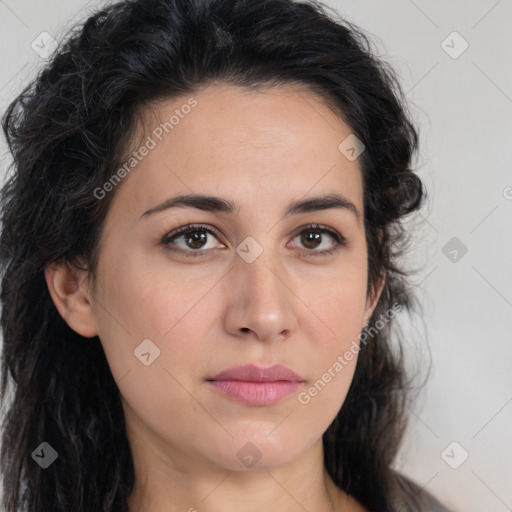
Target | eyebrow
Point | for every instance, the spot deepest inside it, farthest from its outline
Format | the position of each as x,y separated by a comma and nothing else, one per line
217,204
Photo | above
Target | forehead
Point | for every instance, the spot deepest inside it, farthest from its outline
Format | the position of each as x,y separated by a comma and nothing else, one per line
224,138
230,114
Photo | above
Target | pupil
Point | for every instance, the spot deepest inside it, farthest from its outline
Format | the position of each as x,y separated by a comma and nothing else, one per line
311,237
196,237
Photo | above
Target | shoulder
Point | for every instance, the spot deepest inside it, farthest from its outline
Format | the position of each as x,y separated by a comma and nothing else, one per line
415,498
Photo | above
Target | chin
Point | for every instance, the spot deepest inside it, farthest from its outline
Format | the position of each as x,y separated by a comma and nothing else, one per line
259,453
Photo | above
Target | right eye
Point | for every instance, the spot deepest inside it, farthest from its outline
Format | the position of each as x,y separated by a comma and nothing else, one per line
190,239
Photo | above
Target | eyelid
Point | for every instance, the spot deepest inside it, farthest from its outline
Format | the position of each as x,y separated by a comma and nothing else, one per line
319,227
189,227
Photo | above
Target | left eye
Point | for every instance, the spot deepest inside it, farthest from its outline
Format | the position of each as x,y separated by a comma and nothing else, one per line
312,237
195,237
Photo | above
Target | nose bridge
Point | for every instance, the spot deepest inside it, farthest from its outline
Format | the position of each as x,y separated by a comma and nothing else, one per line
262,276
261,301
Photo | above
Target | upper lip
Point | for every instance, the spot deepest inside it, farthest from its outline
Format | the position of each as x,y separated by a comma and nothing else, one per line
253,373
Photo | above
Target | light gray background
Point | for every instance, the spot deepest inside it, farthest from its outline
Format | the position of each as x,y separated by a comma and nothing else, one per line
464,108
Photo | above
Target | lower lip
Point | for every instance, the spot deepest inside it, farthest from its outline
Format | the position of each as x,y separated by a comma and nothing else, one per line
256,393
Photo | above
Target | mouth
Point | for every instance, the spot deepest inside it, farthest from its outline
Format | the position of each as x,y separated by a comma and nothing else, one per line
255,393
256,386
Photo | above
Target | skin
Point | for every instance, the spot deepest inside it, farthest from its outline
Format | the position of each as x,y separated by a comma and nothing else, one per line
290,306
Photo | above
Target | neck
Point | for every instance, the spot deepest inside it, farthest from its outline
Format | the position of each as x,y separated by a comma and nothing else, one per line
183,484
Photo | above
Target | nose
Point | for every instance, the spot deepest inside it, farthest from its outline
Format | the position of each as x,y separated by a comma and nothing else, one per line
260,301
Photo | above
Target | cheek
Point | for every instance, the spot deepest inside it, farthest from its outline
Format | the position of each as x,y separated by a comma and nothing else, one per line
338,299
334,326
149,301
333,354
336,347
140,303
150,330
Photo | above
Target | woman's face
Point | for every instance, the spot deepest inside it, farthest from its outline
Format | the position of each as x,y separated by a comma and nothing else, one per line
173,311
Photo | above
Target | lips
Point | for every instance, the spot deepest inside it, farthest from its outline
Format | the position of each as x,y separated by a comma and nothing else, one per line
252,373
256,386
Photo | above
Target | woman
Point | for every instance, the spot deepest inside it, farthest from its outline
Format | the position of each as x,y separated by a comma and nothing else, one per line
200,266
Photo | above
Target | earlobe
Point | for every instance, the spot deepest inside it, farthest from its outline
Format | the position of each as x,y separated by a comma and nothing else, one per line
71,297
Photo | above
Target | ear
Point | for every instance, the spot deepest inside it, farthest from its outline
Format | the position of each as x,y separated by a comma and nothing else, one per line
373,299
70,293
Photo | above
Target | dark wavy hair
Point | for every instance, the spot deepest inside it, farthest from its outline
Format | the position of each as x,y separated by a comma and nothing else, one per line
69,130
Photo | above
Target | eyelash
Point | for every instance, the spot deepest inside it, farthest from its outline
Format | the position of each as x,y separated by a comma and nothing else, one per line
340,240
